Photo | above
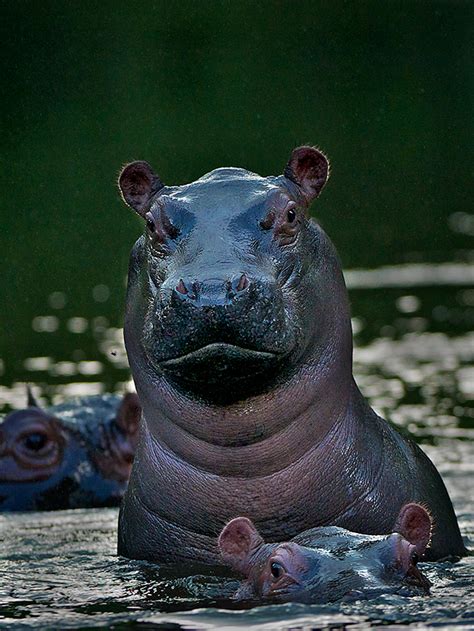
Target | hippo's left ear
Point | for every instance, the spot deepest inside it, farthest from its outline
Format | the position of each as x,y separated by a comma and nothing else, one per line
415,523
309,169
129,413
237,541
138,183
30,398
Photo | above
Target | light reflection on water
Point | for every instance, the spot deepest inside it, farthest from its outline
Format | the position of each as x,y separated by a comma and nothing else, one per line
413,359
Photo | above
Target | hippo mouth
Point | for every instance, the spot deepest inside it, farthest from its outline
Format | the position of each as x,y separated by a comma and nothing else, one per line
218,349
218,362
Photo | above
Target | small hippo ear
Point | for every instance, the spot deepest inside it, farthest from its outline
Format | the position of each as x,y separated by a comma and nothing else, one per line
309,169
237,541
415,523
31,401
129,413
138,183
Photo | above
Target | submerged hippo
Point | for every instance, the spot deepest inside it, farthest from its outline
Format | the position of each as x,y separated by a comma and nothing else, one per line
239,338
328,564
74,455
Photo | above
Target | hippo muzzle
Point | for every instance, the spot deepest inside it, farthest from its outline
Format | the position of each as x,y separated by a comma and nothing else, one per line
218,328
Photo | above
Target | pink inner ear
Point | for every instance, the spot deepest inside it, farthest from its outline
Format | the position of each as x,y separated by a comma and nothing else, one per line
414,523
237,540
138,183
309,168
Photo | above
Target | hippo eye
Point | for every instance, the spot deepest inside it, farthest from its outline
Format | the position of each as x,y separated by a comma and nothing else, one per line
414,558
35,442
291,215
277,570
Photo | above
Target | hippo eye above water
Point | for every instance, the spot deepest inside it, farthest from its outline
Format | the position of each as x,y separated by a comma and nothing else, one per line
414,558
277,570
291,215
36,441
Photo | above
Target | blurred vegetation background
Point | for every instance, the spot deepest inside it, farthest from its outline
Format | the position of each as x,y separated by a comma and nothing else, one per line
385,88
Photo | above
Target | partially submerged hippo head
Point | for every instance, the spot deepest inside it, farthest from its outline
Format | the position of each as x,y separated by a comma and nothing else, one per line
48,462
328,564
223,283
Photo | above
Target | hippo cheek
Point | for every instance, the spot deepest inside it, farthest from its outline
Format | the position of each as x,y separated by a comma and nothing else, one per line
12,471
404,565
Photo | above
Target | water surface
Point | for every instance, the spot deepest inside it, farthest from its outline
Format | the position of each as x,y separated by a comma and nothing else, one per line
414,361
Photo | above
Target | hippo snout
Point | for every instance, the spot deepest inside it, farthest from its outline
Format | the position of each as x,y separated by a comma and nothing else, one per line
212,326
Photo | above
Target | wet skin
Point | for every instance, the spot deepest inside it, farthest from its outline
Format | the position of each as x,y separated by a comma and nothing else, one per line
328,564
238,334
75,455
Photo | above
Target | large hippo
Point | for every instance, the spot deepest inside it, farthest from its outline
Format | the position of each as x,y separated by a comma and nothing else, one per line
329,563
238,335
77,454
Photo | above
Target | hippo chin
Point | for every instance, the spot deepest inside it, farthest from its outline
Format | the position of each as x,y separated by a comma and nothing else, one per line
77,454
239,338
328,564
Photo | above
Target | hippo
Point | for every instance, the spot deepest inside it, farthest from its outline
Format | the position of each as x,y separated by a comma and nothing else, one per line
77,454
238,334
327,564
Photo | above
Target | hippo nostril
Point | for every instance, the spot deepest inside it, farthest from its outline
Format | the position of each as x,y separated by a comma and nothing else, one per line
188,290
243,283
181,288
236,286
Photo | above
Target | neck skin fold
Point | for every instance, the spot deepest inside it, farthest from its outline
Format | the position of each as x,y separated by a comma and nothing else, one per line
254,437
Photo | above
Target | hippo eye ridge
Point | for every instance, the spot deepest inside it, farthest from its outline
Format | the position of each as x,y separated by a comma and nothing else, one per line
277,570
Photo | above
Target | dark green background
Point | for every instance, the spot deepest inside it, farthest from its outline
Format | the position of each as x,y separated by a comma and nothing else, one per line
385,88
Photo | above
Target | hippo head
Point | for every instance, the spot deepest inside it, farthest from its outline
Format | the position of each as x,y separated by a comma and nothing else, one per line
47,463
328,564
231,280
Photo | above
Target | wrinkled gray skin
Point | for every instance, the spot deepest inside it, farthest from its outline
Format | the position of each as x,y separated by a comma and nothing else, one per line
239,339
329,563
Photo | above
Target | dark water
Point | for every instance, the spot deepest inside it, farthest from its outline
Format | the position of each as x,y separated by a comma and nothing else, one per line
385,88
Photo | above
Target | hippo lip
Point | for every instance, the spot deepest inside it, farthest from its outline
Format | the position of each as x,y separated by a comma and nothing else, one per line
219,348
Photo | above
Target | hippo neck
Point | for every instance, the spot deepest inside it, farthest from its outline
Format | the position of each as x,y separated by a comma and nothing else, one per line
255,437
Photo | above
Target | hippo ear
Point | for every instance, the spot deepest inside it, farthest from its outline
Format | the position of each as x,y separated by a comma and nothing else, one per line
309,169
129,413
237,541
138,183
31,400
415,524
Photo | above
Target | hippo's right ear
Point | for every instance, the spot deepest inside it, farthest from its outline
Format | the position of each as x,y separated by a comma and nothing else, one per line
138,183
129,414
414,523
309,169
237,541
